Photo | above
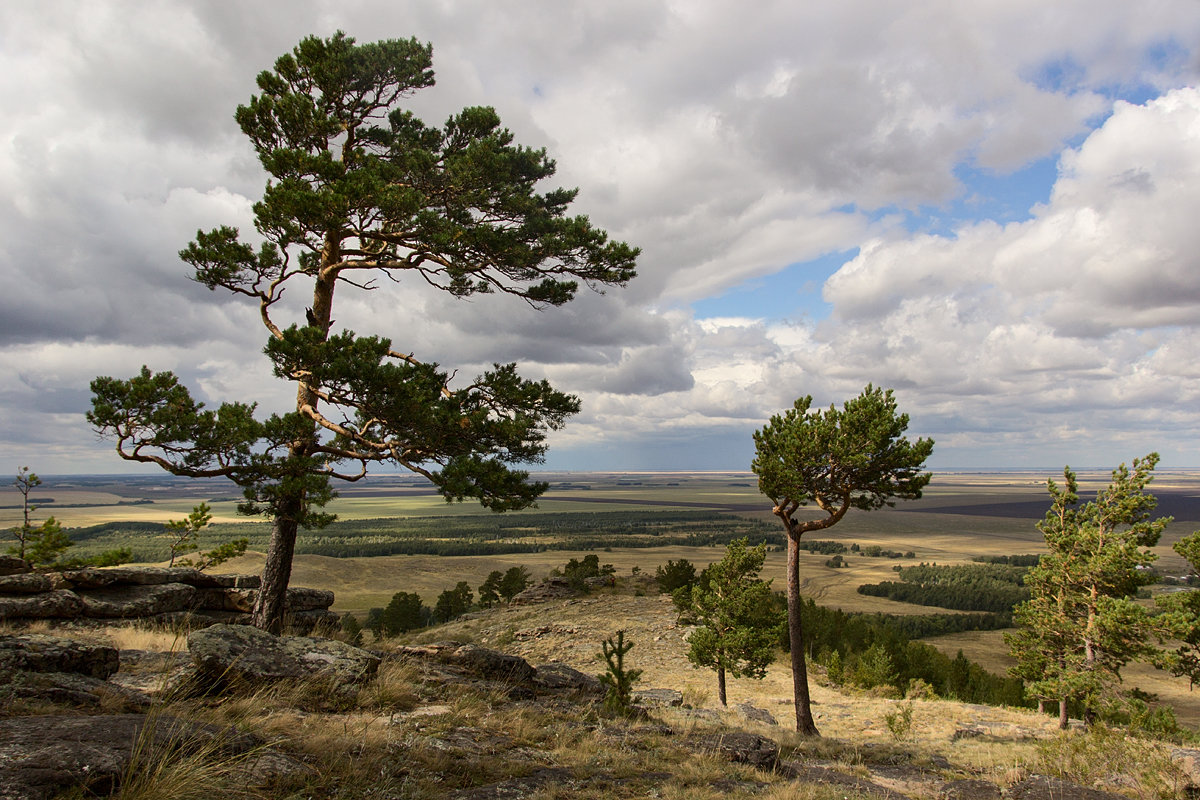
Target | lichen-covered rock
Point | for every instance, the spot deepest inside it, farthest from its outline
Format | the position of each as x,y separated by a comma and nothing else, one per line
556,675
11,565
658,698
226,599
72,689
552,588
739,747
138,600
756,714
57,604
1041,787
99,578
26,583
304,599
238,653
40,652
474,660
43,756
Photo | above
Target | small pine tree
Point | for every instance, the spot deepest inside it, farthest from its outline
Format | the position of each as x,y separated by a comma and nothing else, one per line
184,532
515,581
618,680
739,625
185,539
352,629
47,542
489,590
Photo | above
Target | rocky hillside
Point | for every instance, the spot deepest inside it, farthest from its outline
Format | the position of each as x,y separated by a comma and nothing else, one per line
504,704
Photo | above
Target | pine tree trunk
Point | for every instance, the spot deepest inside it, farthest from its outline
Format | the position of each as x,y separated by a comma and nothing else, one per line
277,572
804,719
721,686
1063,719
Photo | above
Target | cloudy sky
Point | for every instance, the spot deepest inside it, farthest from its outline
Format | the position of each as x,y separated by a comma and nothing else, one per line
991,207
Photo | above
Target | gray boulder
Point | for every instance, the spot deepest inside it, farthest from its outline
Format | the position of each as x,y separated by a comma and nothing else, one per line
1041,787
238,653
556,675
304,599
473,660
739,747
755,714
658,698
40,652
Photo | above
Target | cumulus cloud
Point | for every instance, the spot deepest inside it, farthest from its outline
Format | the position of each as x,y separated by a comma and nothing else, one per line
728,146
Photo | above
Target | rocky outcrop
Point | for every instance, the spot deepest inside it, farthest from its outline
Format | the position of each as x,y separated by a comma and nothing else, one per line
168,594
57,670
43,756
478,662
39,652
553,588
233,654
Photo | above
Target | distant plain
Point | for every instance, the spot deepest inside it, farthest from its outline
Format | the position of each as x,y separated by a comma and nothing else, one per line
962,515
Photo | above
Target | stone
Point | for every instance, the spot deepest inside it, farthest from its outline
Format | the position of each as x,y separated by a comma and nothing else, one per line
57,604
138,600
40,652
658,698
739,747
44,756
101,577
12,565
808,774
225,599
238,653
1187,760
970,789
26,583
1041,787
549,589
755,714
556,675
303,599
472,659
70,689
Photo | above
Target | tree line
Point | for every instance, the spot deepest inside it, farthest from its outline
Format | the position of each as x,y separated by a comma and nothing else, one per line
967,587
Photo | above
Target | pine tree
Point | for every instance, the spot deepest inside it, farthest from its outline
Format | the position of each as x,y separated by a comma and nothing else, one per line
516,580
360,191
1180,620
617,679
1081,625
489,590
739,625
837,459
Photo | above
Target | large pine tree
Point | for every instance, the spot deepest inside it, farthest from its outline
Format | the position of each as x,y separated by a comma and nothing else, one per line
360,190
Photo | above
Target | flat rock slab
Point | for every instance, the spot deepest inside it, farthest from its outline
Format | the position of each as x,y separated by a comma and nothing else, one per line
137,600
739,747
43,756
72,689
1040,787
40,652
225,653
56,604
824,776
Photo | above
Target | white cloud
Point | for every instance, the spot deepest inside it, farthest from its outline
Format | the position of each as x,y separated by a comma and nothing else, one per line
727,144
